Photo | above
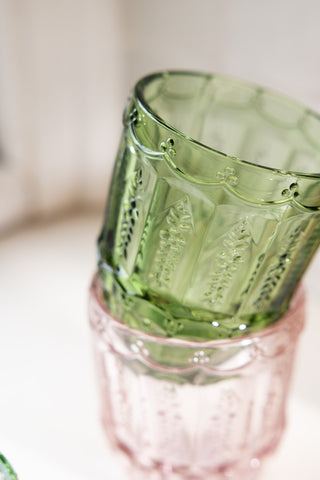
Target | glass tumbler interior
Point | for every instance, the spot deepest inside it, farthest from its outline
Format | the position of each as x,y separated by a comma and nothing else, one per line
239,120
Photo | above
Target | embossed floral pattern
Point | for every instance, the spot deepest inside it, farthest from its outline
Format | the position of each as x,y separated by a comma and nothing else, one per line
172,241
228,175
130,212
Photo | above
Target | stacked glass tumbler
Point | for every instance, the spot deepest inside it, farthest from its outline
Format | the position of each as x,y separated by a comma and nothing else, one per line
196,308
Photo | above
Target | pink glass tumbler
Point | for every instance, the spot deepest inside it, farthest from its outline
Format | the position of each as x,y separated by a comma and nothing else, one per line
186,410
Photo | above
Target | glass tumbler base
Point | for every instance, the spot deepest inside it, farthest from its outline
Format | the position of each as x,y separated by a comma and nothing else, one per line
134,471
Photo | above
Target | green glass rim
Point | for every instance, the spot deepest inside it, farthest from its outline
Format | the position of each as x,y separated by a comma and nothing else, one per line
149,111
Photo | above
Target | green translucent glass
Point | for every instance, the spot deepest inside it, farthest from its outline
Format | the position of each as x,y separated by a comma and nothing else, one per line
213,210
6,471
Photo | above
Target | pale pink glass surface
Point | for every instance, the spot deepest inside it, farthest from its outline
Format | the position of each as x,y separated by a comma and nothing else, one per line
183,410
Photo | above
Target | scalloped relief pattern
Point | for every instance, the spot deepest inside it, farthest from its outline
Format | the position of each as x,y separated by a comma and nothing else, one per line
227,359
230,178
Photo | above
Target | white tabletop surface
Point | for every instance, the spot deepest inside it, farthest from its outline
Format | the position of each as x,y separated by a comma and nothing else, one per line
49,418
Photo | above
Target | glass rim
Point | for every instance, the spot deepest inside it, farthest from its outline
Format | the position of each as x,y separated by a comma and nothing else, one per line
144,105
242,341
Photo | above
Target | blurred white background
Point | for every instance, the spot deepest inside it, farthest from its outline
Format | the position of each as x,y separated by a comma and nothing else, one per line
66,69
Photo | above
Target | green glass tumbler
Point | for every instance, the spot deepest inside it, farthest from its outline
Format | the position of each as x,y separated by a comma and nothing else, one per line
6,471
213,210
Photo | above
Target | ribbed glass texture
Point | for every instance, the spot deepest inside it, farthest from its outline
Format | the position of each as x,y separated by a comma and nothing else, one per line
213,211
183,410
